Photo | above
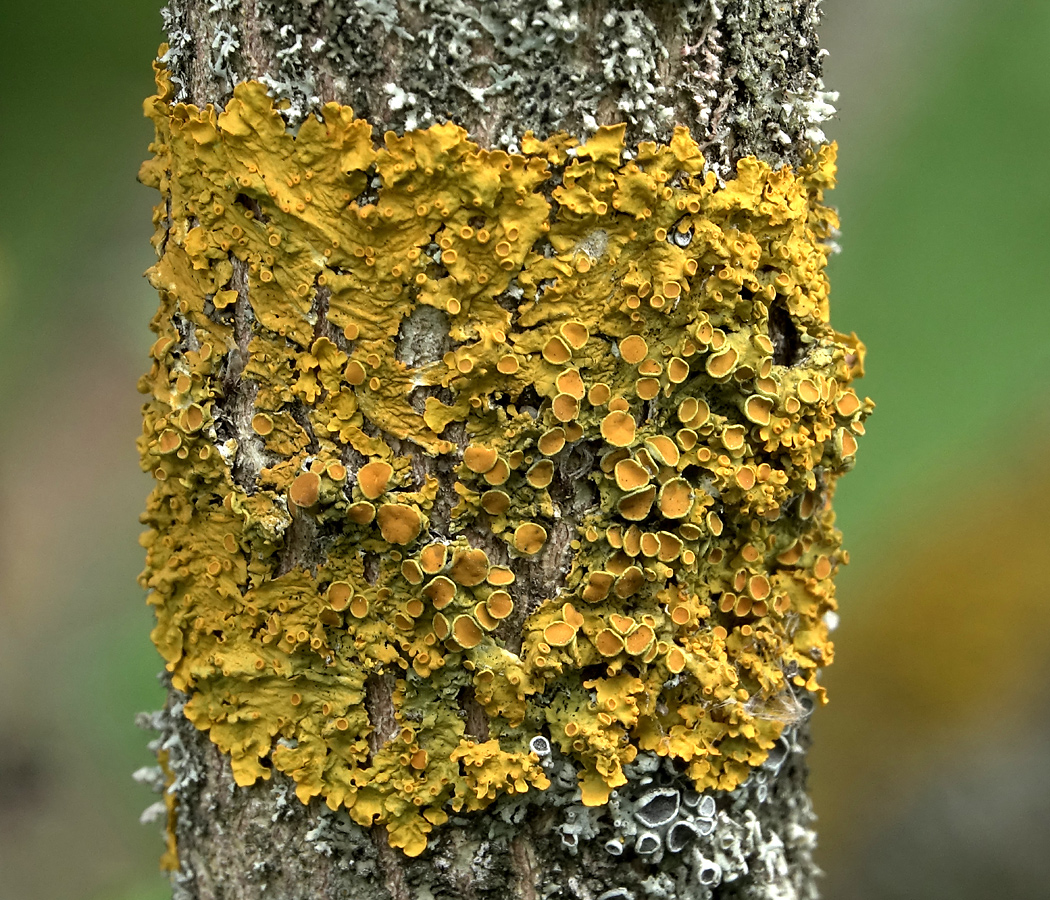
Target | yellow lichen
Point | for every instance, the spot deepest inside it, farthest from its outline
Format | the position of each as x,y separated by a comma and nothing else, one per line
169,860
695,589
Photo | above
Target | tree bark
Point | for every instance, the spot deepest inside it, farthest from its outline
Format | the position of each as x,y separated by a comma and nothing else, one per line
744,77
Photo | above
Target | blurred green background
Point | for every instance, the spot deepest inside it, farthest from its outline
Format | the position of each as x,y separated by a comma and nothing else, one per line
930,767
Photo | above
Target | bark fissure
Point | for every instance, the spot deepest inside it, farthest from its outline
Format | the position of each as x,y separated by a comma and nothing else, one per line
390,864
238,406
522,854
379,692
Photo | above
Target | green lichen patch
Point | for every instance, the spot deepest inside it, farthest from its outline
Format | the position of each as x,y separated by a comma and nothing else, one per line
589,500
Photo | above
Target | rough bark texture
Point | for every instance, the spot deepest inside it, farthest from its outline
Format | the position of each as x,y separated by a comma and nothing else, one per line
744,75
239,843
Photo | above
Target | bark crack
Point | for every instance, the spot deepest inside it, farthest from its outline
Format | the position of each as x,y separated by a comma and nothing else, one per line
522,856
390,864
379,703
237,407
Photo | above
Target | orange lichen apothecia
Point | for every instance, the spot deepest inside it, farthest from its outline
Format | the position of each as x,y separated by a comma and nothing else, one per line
619,309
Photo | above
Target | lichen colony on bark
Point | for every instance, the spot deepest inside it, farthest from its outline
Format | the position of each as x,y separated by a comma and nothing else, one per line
493,488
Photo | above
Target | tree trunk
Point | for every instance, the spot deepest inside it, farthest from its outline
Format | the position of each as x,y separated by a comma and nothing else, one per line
303,553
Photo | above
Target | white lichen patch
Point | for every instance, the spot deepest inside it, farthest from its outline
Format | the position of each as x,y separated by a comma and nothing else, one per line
747,73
